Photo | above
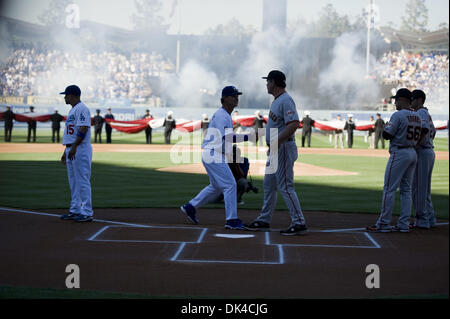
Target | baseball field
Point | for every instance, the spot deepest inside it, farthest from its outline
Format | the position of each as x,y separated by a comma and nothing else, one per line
141,246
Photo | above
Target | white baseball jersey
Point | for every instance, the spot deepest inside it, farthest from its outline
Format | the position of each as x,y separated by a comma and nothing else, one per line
282,112
220,125
213,158
427,122
78,116
405,127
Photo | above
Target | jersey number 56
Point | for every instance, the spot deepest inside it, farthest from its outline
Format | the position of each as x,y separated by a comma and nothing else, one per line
413,132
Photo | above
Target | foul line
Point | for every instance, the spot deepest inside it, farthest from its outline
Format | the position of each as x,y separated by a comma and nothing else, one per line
281,259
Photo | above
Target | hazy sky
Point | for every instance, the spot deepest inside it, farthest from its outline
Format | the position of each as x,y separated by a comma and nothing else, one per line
199,15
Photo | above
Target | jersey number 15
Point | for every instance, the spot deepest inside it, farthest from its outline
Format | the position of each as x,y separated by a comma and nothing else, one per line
70,129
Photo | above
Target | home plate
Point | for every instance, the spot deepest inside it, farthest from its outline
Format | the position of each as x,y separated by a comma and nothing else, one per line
233,236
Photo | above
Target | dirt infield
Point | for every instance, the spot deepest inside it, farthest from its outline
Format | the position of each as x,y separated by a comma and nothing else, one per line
157,252
258,169
157,148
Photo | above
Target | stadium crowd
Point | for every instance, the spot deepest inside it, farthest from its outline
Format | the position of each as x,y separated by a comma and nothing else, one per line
106,74
426,71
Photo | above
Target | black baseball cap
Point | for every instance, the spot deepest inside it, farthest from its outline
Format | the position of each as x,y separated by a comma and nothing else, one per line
72,90
417,94
403,92
275,75
230,91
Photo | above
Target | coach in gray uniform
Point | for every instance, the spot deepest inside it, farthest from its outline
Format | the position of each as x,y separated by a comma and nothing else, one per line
284,118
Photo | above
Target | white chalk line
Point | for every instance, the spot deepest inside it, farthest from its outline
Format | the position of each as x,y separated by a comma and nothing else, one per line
203,233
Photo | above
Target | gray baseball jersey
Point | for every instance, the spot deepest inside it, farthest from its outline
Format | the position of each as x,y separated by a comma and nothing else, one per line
405,127
282,112
422,203
427,123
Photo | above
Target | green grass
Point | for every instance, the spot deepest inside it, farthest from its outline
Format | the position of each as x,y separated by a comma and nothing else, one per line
39,181
318,140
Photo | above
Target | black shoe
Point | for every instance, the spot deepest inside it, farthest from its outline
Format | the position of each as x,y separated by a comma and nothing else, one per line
294,230
257,226
69,216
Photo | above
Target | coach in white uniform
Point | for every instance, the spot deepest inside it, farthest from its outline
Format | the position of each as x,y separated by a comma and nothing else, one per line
217,148
78,156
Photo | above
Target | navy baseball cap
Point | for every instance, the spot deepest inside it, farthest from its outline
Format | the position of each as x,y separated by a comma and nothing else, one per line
403,92
230,91
72,90
418,94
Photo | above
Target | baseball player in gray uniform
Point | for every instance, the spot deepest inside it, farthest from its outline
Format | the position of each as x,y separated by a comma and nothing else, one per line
403,130
422,203
284,118
78,156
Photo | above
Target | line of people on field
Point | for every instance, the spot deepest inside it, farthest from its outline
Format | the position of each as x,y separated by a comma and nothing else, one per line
410,131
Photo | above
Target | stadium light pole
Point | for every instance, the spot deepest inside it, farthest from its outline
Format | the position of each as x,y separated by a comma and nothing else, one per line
369,23
178,38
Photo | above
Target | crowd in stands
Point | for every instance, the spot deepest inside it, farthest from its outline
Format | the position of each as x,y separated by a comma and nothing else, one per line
427,71
105,75
110,75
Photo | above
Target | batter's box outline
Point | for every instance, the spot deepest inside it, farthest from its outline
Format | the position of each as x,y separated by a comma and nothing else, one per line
201,235
374,244
204,230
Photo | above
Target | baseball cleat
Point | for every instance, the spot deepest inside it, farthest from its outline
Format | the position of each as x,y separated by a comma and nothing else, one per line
234,224
83,218
69,216
257,226
377,229
190,212
294,230
401,230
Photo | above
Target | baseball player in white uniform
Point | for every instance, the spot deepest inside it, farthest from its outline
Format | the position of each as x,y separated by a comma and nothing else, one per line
78,156
403,130
284,118
217,147
422,203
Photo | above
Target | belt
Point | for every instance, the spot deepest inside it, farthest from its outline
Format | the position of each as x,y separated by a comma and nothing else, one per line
403,147
291,139
68,145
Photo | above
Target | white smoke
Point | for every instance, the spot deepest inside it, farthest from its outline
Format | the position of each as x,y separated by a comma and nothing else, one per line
195,86
345,78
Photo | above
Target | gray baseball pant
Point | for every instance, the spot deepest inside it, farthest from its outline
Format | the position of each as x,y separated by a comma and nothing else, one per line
283,181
